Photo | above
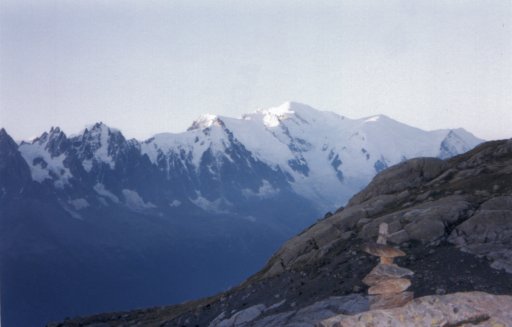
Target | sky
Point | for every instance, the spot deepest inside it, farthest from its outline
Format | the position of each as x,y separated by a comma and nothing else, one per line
147,67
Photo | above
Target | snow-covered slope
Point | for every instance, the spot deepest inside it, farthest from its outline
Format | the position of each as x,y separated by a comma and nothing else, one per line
327,157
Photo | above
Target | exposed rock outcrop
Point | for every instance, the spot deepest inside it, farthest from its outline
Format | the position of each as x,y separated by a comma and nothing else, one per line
307,316
488,232
422,200
14,176
459,309
402,177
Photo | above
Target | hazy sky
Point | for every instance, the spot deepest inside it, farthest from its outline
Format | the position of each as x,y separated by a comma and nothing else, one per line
154,66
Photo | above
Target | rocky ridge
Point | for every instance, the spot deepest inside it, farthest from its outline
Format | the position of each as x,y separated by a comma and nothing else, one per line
452,217
459,309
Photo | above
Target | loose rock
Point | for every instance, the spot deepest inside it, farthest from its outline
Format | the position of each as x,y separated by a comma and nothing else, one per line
385,271
390,286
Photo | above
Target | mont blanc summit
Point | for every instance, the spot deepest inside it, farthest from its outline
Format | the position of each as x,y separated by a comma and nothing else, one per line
320,155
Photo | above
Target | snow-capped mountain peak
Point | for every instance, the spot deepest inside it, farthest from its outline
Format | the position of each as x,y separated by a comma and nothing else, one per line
45,157
272,117
99,144
455,142
325,152
377,118
205,121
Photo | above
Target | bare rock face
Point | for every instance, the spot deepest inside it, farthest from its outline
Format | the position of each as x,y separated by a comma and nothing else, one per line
262,316
459,309
488,232
424,222
241,318
401,177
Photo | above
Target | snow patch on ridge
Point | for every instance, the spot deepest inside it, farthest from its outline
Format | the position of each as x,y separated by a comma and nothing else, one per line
372,119
43,166
134,201
218,206
79,204
87,164
204,121
266,190
101,190
203,135
100,134
101,154
70,211
175,203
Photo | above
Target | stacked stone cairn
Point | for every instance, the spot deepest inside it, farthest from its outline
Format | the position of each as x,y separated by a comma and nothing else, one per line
387,285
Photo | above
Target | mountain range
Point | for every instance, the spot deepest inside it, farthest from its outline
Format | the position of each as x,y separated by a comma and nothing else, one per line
220,162
129,223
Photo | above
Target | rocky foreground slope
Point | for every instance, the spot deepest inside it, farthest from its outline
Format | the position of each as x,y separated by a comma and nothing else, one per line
459,309
453,218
